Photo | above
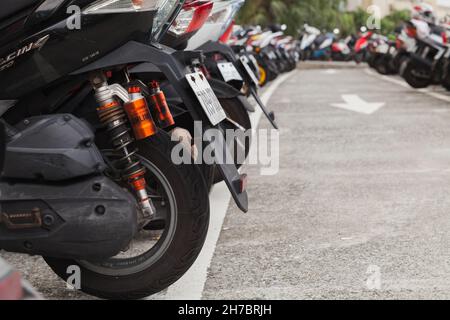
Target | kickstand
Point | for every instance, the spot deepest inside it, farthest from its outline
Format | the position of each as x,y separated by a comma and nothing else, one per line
270,116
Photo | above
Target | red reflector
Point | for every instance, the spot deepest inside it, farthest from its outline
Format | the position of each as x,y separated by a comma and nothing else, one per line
11,287
202,11
243,182
227,34
411,32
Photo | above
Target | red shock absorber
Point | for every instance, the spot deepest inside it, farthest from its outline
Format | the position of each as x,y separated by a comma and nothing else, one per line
113,116
161,110
205,71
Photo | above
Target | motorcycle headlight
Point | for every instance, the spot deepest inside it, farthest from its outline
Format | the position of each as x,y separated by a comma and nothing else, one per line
123,6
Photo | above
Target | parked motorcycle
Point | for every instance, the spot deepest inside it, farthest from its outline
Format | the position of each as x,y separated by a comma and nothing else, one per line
308,38
426,60
232,100
361,53
382,54
89,180
340,50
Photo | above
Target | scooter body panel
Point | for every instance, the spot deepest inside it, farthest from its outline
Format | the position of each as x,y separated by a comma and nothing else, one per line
37,55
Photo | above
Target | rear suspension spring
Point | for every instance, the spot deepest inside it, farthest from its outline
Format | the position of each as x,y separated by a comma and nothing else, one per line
112,115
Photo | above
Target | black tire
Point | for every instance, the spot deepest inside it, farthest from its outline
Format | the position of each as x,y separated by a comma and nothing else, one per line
381,65
397,62
446,81
236,111
192,220
359,58
410,72
446,76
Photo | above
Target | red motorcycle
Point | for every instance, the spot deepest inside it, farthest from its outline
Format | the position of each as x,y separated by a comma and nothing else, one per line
361,45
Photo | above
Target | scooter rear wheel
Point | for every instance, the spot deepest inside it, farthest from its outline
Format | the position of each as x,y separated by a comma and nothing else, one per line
412,75
184,195
381,65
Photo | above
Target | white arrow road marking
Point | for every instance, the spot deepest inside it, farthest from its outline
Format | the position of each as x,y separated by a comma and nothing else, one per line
355,103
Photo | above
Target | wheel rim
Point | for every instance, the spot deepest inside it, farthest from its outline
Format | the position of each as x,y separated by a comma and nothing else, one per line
124,266
263,77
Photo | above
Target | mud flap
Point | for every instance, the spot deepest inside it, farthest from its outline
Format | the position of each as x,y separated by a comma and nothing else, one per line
244,69
223,90
230,173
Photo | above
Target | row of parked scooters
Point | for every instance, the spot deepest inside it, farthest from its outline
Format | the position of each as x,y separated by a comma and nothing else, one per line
420,51
327,46
93,105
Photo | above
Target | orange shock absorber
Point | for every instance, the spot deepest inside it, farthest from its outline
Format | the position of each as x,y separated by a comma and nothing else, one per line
139,184
139,115
161,110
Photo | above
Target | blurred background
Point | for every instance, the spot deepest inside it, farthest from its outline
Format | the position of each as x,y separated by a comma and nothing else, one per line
347,15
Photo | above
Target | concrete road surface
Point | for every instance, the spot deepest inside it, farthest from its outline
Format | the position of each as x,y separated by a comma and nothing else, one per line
360,207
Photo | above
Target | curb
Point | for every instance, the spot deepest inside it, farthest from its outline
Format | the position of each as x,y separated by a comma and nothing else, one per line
311,65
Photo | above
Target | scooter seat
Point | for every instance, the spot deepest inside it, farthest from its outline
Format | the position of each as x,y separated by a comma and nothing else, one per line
10,7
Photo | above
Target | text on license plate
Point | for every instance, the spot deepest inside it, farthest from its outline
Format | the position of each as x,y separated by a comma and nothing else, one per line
207,98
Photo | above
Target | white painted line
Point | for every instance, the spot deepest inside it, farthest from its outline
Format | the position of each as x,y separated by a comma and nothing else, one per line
191,285
330,71
355,103
402,83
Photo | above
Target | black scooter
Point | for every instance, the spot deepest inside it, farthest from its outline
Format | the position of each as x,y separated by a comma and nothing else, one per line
89,180
425,65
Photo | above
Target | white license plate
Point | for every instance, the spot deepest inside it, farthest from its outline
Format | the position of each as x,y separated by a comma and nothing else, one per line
206,97
245,62
229,71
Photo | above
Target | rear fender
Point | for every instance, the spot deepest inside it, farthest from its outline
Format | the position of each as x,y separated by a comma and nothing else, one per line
173,65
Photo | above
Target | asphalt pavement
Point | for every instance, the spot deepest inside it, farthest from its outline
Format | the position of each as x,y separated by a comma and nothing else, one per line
360,207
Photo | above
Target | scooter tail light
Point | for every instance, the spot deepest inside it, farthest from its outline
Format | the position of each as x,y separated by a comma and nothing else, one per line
411,32
444,37
121,6
227,34
192,17
242,183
